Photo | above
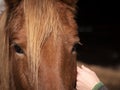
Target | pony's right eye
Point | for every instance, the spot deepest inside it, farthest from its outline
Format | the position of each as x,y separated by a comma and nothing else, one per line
18,49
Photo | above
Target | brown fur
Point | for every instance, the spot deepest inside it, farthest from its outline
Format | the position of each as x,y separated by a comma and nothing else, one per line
46,31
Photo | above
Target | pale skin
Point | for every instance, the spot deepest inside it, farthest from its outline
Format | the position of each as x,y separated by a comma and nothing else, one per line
86,78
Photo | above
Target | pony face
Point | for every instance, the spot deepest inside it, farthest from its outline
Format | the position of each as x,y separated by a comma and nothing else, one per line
41,35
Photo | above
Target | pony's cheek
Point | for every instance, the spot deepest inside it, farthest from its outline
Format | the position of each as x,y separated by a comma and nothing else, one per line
19,62
20,71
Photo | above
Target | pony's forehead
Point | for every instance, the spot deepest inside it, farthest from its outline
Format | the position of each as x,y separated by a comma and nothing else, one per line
2,6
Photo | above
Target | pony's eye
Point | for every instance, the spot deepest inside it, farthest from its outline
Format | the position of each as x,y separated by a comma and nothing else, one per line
75,47
18,49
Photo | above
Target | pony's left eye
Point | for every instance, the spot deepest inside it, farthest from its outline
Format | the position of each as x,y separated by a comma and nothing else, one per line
18,49
75,47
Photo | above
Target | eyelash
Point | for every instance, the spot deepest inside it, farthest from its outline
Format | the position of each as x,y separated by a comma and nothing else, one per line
75,46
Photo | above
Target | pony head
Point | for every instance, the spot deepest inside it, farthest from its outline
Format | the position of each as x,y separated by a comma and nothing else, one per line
37,39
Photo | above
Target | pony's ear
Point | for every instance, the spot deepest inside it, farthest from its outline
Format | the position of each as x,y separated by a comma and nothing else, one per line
70,2
12,3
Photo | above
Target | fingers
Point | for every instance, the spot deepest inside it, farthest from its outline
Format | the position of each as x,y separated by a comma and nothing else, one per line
84,71
87,69
79,69
86,78
83,68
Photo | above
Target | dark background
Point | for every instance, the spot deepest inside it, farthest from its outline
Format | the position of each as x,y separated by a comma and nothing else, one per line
99,26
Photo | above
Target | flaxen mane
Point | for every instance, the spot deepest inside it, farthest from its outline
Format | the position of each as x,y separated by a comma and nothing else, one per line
4,55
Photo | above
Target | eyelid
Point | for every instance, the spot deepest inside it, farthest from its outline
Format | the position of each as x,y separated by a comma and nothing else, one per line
12,44
80,43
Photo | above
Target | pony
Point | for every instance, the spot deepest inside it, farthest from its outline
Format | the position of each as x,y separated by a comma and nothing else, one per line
37,39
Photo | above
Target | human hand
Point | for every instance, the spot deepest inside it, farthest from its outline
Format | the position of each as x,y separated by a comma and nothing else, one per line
86,78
